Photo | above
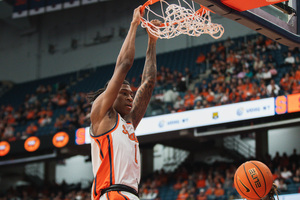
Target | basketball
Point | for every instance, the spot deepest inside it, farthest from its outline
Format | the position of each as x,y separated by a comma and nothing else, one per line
253,180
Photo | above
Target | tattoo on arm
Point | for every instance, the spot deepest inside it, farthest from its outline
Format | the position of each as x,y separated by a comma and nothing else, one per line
144,92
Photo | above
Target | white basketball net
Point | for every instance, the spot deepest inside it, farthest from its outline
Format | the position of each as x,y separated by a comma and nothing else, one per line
181,20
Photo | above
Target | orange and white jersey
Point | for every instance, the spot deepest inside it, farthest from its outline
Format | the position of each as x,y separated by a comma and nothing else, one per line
115,157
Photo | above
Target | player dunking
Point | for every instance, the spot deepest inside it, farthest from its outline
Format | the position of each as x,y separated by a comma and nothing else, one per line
115,114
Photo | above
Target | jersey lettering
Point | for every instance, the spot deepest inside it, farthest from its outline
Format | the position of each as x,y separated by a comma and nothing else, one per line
130,136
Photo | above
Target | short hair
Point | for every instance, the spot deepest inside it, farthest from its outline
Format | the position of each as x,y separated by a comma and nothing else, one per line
93,95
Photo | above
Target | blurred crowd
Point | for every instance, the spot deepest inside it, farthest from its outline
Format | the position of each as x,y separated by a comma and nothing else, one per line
37,111
227,73
190,181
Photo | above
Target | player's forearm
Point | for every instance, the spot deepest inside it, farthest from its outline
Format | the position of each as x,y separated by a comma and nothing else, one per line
149,73
127,52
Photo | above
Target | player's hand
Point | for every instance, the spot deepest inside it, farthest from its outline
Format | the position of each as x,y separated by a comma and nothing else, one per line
156,24
137,15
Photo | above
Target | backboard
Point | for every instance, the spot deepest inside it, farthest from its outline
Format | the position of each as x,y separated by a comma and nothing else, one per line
279,22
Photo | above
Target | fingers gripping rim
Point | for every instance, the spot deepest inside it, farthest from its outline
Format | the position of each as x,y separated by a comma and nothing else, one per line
178,19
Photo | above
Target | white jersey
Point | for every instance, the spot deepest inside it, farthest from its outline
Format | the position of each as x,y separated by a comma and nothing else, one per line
115,157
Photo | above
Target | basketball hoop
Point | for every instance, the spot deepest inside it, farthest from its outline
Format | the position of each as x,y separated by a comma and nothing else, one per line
181,18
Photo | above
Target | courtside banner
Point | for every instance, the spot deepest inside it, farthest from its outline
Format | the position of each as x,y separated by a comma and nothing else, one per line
196,118
207,116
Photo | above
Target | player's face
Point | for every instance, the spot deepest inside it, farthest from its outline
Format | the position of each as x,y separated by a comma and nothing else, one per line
123,103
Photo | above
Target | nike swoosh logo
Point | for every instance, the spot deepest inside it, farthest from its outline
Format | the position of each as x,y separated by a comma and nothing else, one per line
247,189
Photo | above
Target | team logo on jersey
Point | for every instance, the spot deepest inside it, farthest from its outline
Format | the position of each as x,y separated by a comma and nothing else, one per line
32,144
4,148
60,139
130,136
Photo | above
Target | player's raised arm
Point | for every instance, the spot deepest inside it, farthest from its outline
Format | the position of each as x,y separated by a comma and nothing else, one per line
105,100
144,92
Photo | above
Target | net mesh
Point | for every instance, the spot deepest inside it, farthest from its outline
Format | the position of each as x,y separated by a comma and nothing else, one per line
181,19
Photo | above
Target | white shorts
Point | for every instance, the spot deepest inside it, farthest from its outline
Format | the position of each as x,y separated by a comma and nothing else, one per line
118,195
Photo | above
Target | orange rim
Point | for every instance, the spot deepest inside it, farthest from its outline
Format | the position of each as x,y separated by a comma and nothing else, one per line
151,2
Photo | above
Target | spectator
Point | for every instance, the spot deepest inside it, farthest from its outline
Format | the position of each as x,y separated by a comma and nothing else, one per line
296,177
295,87
41,89
290,59
8,132
294,158
219,192
266,73
228,43
297,73
177,185
258,63
191,182
200,62
220,48
183,194
31,129
282,186
44,120
201,182
189,99
228,182
181,108
179,101
259,75
181,86
201,195
188,76
210,192
169,97
271,60
285,82
272,70
198,105
210,96
273,89
286,175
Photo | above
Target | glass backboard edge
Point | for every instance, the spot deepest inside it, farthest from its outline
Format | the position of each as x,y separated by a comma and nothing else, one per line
286,35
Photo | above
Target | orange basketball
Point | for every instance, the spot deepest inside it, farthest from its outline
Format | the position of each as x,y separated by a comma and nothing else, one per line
253,180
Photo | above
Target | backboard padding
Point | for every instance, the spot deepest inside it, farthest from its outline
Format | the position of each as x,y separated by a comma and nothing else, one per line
257,19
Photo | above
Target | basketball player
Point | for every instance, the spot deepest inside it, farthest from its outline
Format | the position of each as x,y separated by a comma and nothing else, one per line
115,114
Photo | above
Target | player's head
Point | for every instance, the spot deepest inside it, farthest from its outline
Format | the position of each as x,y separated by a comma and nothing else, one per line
123,101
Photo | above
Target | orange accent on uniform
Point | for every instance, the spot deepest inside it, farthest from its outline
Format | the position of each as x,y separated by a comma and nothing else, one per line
103,173
115,158
242,5
104,169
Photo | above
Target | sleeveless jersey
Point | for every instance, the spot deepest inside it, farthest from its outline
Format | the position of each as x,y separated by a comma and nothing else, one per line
115,157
